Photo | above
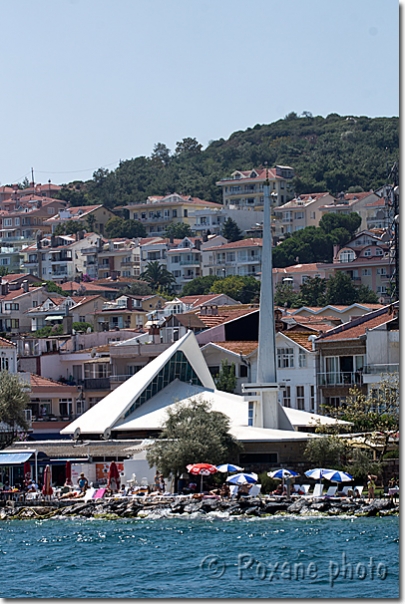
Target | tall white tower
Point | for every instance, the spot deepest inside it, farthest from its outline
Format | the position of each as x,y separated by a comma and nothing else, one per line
267,412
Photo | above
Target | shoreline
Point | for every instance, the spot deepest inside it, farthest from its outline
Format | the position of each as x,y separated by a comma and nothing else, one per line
175,506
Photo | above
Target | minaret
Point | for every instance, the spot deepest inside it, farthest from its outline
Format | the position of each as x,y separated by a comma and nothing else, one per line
268,413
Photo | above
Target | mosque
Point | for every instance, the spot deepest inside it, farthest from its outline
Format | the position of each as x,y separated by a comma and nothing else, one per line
270,433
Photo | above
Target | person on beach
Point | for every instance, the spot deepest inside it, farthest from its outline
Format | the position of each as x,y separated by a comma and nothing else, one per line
83,483
157,481
371,486
162,485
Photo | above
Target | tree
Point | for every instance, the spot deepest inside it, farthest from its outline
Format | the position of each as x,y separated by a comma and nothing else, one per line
231,231
3,271
329,451
199,286
331,221
178,230
14,400
119,227
375,415
312,292
157,276
90,222
70,227
188,146
243,289
161,154
285,295
340,289
225,380
192,433
137,288
366,295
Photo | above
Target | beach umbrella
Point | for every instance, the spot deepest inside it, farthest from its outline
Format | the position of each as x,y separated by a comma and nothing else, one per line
27,471
338,476
68,471
317,473
243,478
201,469
113,477
47,488
229,467
282,473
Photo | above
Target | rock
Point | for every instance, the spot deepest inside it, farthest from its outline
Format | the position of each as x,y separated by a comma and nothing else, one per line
271,507
254,510
192,507
333,512
209,505
296,507
320,506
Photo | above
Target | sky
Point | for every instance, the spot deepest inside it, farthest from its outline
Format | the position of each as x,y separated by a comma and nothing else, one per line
89,83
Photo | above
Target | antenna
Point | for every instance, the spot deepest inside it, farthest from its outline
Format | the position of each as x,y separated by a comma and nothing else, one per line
32,176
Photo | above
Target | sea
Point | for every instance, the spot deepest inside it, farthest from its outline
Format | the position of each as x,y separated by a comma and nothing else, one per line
192,557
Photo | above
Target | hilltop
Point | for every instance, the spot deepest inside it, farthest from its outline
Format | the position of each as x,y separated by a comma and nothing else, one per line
334,154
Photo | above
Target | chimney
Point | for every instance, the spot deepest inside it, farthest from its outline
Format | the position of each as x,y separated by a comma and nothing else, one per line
130,305
336,248
4,288
25,286
197,244
114,275
53,240
154,331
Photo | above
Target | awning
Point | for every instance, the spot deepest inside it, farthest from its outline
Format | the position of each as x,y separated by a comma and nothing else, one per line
56,317
14,459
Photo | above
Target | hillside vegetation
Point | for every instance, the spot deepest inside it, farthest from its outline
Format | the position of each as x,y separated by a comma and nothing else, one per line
334,154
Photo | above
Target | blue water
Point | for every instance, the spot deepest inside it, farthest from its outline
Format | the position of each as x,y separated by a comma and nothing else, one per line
276,557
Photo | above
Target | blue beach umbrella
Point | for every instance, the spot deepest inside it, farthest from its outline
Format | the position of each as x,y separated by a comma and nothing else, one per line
338,476
282,473
243,478
317,473
229,467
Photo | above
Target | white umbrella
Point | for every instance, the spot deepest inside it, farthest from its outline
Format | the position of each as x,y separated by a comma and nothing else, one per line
229,467
338,476
243,478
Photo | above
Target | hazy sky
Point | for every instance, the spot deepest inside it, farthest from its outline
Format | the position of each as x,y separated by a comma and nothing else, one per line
87,83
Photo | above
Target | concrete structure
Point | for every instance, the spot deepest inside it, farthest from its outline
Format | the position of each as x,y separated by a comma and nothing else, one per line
92,217
242,257
297,274
346,203
301,212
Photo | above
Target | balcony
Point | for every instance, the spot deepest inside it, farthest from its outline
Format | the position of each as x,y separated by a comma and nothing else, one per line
340,378
97,383
195,262
380,369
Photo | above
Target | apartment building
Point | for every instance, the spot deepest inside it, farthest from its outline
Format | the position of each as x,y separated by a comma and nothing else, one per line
300,212
244,188
58,258
298,274
57,310
346,203
242,257
119,256
366,260
93,218
127,312
22,224
16,300
160,211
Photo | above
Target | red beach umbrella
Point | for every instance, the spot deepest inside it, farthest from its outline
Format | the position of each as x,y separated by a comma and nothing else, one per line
113,477
27,471
47,489
201,469
68,471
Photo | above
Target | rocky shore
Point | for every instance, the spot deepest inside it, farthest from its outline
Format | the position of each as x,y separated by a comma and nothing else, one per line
178,506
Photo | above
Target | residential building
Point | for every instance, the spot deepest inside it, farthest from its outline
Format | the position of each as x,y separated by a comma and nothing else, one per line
298,274
8,356
343,355
244,188
382,350
88,288
127,311
342,312
16,300
57,258
117,257
57,310
300,212
22,224
346,203
242,257
366,260
93,218
160,211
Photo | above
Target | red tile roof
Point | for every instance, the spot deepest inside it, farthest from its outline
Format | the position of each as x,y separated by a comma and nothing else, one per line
250,242
356,328
39,382
224,315
4,343
199,300
72,286
239,347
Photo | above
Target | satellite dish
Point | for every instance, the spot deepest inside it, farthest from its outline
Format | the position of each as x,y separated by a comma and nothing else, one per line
107,434
76,433
93,353
381,300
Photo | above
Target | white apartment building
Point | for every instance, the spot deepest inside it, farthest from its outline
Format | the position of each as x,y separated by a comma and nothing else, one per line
300,212
296,366
244,188
242,258
351,202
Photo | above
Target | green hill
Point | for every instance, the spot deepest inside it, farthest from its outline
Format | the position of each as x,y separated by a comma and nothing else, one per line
334,154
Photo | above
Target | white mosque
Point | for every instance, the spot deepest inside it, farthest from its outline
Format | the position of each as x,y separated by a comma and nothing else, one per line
138,408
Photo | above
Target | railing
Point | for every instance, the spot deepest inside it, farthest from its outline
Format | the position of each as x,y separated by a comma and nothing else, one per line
121,378
340,378
379,369
188,262
97,383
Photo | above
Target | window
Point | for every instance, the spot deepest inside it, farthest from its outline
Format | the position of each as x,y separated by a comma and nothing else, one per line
379,252
300,398
302,359
332,401
7,222
381,271
12,306
214,370
381,289
366,272
305,278
251,409
65,406
313,215
174,213
185,213
312,400
367,253
4,363
16,222
12,323
287,396
299,215
243,371
175,259
285,357
347,256
82,319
